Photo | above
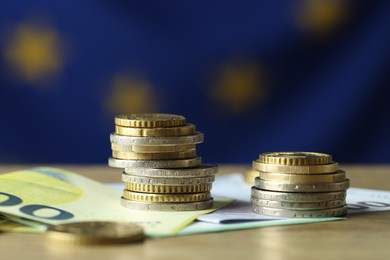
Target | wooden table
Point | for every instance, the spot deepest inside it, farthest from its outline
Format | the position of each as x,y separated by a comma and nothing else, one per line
364,236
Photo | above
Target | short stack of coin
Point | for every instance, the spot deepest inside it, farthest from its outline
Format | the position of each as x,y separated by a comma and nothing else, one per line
162,170
299,184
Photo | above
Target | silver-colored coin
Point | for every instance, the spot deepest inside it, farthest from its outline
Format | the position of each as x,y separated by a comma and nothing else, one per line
185,163
322,213
301,187
152,148
167,181
297,205
201,171
148,206
171,140
297,197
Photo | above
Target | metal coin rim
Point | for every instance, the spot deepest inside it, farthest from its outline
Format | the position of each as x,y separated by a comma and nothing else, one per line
196,138
338,176
147,206
167,181
201,170
149,120
295,169
284,158
188,129
157,164
341,211
305,187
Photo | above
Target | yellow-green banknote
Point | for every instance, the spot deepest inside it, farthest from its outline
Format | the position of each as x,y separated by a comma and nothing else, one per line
45,196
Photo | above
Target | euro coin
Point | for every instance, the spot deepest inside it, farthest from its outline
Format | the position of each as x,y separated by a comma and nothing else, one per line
148,197
202,170
93,232
152,148
288,213
297,197
187,129
167,181
184,163
297,205
196,138
154,156
294,169
299,187
249,176
150,120
148,206
168,188
295,158
289,178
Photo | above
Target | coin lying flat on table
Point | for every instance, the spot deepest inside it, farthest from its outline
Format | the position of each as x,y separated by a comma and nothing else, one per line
168,188
184,163
202,170
152,148
196,138
295,169
154,156
299,187
295,158
84,233
302,178
297,197
150,120
298,205
167,181
137,205
323,213
187,129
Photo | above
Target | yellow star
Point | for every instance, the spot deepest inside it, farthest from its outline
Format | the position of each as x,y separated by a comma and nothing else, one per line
34,52
238,87
321,16
130,95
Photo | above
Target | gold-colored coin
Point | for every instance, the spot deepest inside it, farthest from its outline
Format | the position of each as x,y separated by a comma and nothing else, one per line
150,120
185,197
167,181
250,176
151,148
95,232
295,158
295,169
154,156
187,129
338,176
168,188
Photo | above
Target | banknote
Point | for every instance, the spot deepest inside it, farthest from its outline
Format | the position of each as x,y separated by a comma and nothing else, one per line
55,196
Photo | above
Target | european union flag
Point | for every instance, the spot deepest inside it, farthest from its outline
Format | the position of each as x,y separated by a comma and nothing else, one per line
254,77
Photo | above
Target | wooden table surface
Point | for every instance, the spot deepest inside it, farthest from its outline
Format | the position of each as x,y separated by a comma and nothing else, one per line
361,236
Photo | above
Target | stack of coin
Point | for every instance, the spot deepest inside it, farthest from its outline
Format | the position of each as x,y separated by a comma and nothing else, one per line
299,184
162,170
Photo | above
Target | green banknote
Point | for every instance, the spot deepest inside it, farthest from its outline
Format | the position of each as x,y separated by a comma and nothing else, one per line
54,196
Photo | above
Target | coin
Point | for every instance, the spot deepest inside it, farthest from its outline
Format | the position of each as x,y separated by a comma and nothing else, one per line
295,158
185,163
167,181
202,170
137,205
297,205
297,197
294,169
170,140
149,197
151,148
168,188
94,232
249,176
289,178
187,129
150,120
154,156
299,187
323,213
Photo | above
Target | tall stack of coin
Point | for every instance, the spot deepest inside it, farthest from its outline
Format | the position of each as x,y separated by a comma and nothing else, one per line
162,170
299,184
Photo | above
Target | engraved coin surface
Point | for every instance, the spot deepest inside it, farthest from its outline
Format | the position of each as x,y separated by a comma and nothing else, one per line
167,181
154,156
295,169
289,178
150,120
295,158
147,206
168,188
298,205
95,232
196,138
150,197
201,170
185,163
322,213
299,187
152,148
187,129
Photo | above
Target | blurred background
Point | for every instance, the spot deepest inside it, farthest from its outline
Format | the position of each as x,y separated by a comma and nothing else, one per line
254,76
